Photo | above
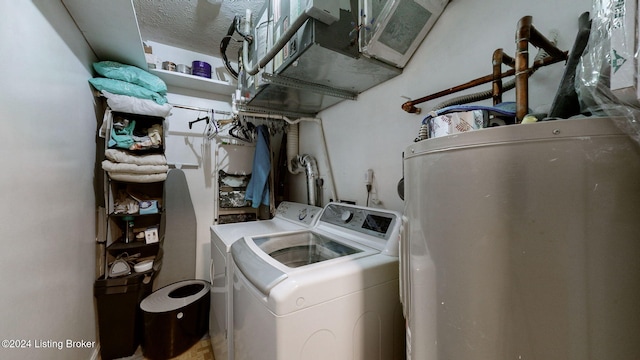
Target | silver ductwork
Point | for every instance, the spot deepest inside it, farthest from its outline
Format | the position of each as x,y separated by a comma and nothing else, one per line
300,65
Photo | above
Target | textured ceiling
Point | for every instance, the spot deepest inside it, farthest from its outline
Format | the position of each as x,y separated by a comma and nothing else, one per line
196,25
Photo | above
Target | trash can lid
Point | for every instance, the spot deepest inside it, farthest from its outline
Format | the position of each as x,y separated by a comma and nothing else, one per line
165,299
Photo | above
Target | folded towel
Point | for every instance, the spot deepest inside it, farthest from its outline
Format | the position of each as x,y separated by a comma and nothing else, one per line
137,178
134,105
133,168
258,187
121,156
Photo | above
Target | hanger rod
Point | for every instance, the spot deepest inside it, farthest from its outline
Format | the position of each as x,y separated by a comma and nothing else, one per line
195,108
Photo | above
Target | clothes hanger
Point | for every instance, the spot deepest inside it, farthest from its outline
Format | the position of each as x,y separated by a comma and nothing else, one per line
205,118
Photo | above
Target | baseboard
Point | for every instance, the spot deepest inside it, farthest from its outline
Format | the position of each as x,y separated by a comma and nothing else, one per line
96,353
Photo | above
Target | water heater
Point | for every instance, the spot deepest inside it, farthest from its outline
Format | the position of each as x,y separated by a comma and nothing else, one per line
522,243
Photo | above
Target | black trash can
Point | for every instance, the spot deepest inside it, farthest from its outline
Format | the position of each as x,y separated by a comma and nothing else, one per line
175,317
119,316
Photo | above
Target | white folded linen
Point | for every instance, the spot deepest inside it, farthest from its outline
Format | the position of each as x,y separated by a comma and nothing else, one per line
134,105
137,178
121,156
133,168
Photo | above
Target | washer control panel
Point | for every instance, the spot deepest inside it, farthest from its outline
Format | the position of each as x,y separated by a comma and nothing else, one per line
298,213
374,222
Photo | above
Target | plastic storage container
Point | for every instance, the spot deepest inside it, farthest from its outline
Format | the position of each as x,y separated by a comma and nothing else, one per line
175,318
119,317
201,68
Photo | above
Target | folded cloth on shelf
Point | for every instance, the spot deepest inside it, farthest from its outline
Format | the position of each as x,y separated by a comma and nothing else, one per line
123,166
155,135
134,105
110,166
258,187
122,136
137,178
122,156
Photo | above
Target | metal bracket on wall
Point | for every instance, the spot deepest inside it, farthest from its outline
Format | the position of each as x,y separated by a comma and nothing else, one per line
271,111
305,85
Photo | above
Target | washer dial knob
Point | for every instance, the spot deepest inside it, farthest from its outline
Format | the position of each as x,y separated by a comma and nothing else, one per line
346,216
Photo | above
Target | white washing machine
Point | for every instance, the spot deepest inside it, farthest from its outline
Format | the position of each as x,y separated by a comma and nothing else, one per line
289,216
330,292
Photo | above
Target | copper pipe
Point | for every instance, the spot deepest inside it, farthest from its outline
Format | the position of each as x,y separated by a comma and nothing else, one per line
525,34
522,63
409,106
499,58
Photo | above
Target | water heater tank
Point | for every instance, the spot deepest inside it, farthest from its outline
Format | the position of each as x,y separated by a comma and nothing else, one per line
523,243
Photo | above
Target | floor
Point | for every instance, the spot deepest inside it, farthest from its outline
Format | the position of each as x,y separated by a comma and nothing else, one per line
200,351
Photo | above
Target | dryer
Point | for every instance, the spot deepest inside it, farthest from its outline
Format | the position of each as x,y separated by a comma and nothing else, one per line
289,216
330,292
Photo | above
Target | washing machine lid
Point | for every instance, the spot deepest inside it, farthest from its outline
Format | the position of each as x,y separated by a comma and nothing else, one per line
267,260
261,274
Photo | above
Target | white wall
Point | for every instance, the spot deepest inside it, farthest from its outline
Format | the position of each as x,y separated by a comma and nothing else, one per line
373,131
47,211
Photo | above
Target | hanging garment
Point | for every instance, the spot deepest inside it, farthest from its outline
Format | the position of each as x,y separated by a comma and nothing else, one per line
258,188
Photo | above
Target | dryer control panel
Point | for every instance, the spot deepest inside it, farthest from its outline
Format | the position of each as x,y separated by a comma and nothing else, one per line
379,223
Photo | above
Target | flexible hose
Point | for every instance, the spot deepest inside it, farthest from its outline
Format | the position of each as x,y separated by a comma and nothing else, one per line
223,48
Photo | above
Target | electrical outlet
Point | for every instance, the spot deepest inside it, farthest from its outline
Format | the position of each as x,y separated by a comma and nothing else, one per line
368,177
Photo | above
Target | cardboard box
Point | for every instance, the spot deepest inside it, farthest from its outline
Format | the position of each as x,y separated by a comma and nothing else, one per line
623,80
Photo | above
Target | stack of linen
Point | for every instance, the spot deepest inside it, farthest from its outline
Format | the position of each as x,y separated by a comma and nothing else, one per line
130,89
122,166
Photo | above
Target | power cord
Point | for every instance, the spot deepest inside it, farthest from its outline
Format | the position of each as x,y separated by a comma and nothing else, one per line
368,180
